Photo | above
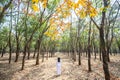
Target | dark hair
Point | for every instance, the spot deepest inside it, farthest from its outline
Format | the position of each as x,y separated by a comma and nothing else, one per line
58,59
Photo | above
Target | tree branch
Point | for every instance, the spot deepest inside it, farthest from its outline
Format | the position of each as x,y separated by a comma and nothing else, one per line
4,9
95,23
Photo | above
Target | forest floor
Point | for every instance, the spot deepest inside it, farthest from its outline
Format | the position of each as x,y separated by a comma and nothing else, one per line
47,70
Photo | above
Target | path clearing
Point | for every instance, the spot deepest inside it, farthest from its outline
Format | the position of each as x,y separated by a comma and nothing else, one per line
47,69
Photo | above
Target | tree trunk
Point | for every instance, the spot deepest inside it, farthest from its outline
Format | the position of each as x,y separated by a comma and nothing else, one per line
86,53
94,47
37,58
79,59
89,60
102,42
28,50
38,53
17,51
4,50
108,53
89,47
17,35
24,55
10,47
35,50
95,52
100,54
26,40
79,53
104,55
43,56
47,55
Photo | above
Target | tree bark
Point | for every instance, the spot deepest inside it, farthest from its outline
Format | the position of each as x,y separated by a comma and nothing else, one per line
26,40
102,42
108,54
28,50
89,47
24,55
79,55
104,55
17,52
38,53
10,46
3,50
95,52
100,54
43,56
35,51
17,36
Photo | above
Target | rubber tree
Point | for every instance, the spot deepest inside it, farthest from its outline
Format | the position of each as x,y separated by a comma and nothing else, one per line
17,34
89,48
110,24
43,28
102,40
4,39
10,33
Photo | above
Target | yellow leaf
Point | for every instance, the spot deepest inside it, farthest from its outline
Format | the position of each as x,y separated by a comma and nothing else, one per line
35,7
64,15
58,10
83,14
35,1
92,14
53,38
75,5
69,3
82,2
44,5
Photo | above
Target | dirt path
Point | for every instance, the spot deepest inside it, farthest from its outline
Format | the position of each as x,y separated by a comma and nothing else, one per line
47,69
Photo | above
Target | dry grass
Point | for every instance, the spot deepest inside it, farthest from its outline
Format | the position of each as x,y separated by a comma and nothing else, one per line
47,69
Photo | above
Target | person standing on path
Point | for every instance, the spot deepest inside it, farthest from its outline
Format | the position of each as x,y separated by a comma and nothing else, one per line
58,67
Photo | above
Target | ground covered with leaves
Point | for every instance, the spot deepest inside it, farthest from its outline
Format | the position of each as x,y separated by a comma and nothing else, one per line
47,70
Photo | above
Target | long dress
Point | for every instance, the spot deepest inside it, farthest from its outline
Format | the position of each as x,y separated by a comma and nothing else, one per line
58,68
